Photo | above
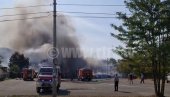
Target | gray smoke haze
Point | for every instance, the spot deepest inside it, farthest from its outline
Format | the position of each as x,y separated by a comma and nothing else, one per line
35,33
34,37
5,53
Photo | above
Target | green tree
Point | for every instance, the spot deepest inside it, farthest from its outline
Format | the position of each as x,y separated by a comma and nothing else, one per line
17,62
146,32
113,61
135,63
15,68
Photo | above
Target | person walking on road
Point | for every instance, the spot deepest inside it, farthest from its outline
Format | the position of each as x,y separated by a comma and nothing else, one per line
142,78
131,78
116,81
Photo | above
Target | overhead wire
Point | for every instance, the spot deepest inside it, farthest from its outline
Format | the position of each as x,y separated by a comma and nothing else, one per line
89,5
57,11
48,15
49,12
86,12
24,14
97,17
24,7
32,6
37,17
93,17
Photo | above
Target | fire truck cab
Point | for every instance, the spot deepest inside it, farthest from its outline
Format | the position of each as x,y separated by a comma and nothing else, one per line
85,74
28,74
45,79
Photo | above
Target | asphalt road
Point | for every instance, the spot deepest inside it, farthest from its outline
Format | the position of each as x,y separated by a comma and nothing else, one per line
94,88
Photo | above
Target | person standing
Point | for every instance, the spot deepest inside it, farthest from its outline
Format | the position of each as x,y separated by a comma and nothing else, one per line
116,81
59,81
142,78
131,78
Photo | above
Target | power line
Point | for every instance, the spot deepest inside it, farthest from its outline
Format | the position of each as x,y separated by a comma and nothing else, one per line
88,16
87,12
58,11
92,17
97,17
89,5
24,14
32,6
38,17
90,13
25,7
51,11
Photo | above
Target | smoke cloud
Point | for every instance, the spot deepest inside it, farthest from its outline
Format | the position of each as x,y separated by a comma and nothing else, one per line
34,37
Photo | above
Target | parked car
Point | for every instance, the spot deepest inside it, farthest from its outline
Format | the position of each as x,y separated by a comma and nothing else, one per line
168,77
102,76
44,81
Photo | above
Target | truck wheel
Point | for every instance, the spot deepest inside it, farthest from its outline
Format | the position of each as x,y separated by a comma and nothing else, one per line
167,81
38,89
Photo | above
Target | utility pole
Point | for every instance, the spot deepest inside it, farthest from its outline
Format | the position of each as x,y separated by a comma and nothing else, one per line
55,72
107,66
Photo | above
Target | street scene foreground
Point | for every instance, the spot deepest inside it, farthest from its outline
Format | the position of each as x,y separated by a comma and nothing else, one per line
97,87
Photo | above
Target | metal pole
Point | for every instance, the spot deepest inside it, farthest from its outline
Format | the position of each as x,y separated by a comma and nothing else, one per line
54,52
107,65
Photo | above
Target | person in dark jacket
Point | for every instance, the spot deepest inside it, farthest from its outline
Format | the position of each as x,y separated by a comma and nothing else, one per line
131,77
116,81
142,78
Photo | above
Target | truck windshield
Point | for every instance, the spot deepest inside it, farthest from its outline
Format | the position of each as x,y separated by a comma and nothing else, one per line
46,71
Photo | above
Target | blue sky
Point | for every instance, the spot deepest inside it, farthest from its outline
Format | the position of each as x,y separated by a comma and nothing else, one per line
93,33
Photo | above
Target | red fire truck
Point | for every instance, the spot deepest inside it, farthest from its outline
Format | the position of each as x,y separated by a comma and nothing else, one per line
85,74
28,74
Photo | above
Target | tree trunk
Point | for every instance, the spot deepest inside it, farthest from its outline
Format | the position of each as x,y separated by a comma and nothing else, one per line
154,76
